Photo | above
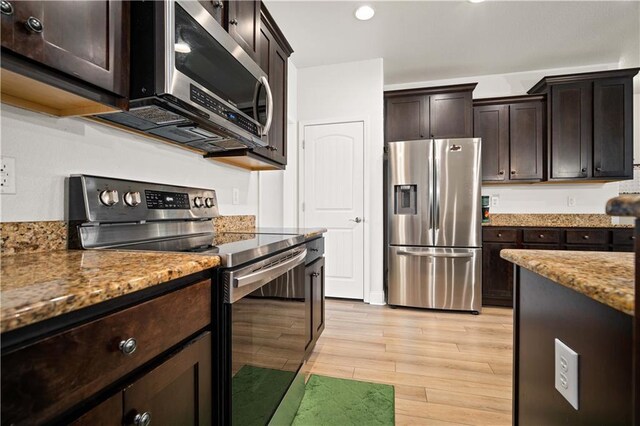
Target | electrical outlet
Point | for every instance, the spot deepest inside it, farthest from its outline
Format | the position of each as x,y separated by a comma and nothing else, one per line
495,200
571,201
7,175
566,373
236,197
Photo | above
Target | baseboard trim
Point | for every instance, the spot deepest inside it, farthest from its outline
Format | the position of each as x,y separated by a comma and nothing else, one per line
377,298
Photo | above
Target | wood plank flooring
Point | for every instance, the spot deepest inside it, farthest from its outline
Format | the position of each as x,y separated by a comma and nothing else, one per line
447,368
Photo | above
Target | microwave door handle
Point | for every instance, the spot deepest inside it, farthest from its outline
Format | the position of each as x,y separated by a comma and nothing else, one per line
267,125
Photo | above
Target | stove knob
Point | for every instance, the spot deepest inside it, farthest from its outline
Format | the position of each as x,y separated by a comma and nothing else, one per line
109,197
132,199
209,202
198,202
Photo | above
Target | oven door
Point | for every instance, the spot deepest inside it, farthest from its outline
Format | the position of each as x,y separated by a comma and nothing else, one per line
207,69
268,336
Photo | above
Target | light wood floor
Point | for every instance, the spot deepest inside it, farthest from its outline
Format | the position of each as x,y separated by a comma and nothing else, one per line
447,368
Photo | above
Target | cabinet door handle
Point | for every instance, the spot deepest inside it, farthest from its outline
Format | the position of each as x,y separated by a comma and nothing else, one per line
34,25
313,250
143,419
541,235
6,8
501,172
586,237
233,22
272,148
128,346
598,169
584,170
513,172
499,235
218,4
315,274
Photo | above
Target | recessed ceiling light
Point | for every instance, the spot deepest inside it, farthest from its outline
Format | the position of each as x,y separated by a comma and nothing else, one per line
364,13
476,1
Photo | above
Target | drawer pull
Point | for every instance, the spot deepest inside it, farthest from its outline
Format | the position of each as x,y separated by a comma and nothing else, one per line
143,419
541,235
499,235
586,237
128,346
633,237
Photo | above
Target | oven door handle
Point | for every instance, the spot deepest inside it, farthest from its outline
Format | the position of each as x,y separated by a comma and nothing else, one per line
427,254
270,273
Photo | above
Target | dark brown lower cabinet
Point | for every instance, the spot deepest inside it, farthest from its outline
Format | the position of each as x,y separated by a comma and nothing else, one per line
497,273
314,284
177,392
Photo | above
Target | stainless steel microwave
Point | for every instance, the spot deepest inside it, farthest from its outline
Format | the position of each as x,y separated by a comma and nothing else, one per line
191,82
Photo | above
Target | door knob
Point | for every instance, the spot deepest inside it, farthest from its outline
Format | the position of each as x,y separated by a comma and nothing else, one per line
356,220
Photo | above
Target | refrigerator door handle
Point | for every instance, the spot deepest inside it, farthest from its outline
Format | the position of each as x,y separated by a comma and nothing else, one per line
436,190
427,254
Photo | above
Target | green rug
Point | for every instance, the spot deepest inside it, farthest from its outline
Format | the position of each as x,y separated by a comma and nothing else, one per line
329,401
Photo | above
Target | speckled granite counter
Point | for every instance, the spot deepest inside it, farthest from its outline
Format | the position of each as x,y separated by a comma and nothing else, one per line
607,277
554,220
38,286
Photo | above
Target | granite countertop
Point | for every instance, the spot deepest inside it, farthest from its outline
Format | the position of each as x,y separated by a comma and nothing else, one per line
607,277
39,286
563,220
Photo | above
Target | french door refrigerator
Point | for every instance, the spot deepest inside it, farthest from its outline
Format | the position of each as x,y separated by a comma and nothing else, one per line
434,224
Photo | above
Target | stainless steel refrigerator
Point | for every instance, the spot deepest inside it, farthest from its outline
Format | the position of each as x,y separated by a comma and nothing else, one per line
434,224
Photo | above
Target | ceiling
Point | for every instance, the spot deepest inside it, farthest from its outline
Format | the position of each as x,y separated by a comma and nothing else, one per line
428,40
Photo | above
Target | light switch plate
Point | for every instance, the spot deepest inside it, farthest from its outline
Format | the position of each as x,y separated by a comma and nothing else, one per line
235,199
566,372
495,200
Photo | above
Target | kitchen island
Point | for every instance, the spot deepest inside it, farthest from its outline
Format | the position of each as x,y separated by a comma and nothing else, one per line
586,300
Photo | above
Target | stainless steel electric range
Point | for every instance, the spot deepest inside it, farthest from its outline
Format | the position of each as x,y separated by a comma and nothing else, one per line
259,317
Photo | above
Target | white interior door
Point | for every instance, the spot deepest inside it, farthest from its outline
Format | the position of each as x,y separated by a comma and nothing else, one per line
334,199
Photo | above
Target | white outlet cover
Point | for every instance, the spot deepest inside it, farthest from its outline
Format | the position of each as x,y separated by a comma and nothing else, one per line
571,201
566,372
236,196
7,175
495,200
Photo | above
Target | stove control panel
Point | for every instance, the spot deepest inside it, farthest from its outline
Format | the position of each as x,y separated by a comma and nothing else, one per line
98,199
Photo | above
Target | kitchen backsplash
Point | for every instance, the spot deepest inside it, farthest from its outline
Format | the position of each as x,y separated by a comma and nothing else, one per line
32,237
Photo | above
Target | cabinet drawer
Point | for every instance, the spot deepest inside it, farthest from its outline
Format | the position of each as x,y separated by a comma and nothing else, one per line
588,236
624,236
541,236
499,235
315,250
43,380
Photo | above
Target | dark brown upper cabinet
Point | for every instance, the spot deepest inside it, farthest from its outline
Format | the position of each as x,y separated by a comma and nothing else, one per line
274,54
434,112
243,24
513,132
590,126
80,48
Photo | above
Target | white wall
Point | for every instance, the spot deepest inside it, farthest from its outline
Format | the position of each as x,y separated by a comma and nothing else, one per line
48,149
347,91
540,198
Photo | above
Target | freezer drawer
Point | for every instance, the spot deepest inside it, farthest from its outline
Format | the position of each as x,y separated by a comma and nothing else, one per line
437,278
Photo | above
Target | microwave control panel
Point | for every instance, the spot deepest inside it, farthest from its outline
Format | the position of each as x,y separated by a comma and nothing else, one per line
212,104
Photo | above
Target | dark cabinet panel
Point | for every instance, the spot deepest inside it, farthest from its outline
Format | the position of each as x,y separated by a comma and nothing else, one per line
314,292
107,413
613,127
86,39
571,130
178,391
497,275
244,25
406,118
498,235
491,123
624,236
541,236
526,136
450,115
